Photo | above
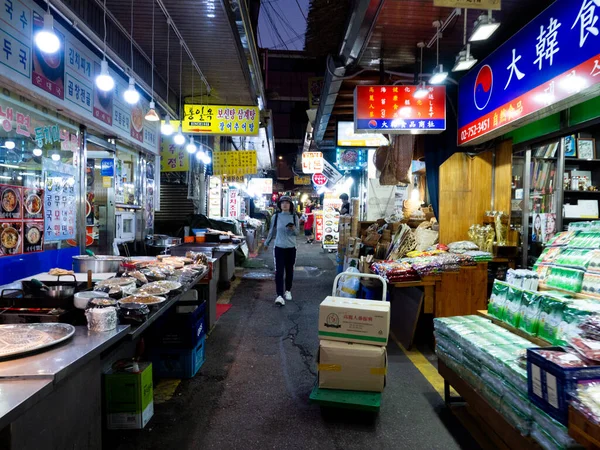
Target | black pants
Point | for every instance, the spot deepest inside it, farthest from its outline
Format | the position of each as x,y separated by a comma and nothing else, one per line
285,258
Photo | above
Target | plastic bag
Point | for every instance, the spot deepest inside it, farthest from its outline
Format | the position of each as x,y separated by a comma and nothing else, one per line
348,285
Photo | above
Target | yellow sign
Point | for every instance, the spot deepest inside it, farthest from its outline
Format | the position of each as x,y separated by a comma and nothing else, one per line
301,180
107,182
173,158
220,119
472,4
235,163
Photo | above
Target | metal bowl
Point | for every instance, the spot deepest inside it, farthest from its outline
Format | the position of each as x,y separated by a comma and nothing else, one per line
98,264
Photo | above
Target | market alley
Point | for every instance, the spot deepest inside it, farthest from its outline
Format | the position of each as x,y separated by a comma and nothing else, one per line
252,392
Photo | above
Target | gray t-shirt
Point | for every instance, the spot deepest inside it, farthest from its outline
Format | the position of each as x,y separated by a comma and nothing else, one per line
284,237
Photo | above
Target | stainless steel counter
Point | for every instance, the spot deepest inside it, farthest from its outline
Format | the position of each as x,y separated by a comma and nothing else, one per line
16,396
59,361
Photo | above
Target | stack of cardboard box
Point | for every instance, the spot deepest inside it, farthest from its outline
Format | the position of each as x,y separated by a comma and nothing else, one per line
352,350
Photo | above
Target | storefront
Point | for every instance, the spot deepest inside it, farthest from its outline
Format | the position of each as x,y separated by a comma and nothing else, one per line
62,178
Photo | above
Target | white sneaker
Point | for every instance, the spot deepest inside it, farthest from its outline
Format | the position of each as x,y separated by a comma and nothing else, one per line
288,295
280,301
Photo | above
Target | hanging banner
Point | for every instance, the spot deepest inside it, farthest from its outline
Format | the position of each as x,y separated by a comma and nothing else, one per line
395,110
551,64
312,162
235,163
66,79
469,4
221,119
173,158
233,204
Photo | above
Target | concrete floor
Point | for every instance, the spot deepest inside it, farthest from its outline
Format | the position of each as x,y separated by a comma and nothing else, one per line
252,392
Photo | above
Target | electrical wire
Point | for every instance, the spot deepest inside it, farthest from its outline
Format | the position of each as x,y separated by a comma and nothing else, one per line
180,83
284,22
168,58
301,10
152,48
131,40
272,22
104,19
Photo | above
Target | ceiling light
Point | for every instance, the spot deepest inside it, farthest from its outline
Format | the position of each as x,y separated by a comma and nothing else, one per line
200,155
104,81
179,138
464,60
191,147
10,166
55,157
37,152
166,128
421,91
439,76
131,95
151,115
9,145
207,159
484,27
46,39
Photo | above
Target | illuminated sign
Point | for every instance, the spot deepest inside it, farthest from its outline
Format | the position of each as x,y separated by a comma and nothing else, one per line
346,137
395,110
220,119
312,162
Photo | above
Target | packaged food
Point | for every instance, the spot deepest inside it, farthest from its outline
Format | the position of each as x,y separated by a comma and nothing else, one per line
551,315
563,359
530,312
513,306
498,299
591,284
589,348
562,239
568,327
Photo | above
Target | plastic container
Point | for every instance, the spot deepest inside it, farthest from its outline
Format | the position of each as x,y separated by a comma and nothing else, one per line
200,239
171,362
188,239
183,330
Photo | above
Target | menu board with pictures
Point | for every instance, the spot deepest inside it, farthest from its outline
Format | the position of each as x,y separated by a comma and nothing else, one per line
11,238
60,203
33,204
33,237
10,202
331,206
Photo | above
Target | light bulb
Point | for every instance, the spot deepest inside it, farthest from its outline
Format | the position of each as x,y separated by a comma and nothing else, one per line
166,128
9,144
151,116
421,91
131,95
104,81
207,159
37,152
55,157
191,147
179,138
200,155
46,39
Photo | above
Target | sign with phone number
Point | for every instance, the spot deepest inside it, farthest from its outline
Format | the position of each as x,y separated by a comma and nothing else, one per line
220,119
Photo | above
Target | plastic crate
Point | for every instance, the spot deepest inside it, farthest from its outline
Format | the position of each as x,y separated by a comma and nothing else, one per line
549,385
181,329
171,362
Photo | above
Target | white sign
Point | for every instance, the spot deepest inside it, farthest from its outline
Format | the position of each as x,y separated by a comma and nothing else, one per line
312,162
331,172
260,186
233,204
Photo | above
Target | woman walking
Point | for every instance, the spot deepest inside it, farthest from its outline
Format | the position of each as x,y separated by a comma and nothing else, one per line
309,222
284,230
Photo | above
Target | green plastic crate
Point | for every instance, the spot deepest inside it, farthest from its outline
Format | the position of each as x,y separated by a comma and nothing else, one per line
335,398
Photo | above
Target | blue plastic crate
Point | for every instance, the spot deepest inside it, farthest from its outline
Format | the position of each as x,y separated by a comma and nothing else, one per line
171,362
183,330
550,385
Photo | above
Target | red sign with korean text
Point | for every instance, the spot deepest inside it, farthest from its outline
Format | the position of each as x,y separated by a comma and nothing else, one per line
395,110
319,179
319,226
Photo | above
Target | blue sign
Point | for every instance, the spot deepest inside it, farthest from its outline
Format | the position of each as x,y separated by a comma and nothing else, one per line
107,168
552,58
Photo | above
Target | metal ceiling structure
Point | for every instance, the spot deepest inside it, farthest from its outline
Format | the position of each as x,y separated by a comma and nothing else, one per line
220,58
380,46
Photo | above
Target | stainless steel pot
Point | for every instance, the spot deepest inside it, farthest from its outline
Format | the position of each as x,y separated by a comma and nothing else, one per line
97,264
162,240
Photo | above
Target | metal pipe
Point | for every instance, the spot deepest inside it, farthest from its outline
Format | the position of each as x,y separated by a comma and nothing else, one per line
80,216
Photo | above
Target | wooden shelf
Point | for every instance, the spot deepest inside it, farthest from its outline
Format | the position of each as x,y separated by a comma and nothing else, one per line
543,287
535,340
577,160
584,431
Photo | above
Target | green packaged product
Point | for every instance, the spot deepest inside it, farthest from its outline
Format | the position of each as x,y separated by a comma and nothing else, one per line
519,420
550,317
530,312
513,306
497,305
569,325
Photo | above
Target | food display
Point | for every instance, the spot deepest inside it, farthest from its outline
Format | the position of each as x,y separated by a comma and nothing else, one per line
10,202
56,272
34,237
151,289
143,299
33,202
23,338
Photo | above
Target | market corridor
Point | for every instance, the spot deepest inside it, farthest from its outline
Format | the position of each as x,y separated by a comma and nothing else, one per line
252,392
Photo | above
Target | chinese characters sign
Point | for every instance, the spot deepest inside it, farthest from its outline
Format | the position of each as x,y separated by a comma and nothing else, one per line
552,59
312,162
222,120
474,4
235,163
394,110
173,158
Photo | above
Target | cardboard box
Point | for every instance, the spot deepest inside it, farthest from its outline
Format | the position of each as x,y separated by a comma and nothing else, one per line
354,320
353,367
129,398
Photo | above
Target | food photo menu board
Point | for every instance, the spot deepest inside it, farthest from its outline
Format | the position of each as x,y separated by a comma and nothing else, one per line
331,219
21,220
